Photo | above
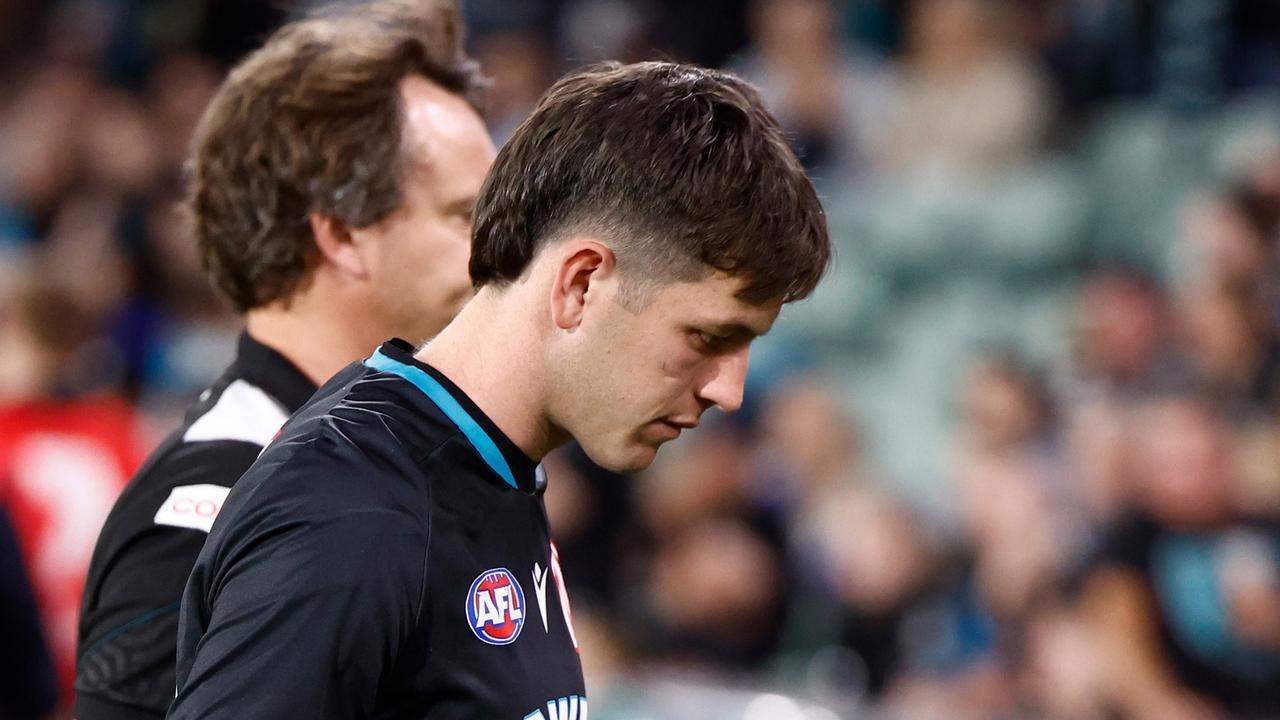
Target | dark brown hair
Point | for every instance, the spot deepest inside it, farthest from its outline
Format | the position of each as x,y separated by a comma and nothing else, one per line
680,169
311,123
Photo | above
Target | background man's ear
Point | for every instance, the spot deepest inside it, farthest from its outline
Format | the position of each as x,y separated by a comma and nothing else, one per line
578,281
336,245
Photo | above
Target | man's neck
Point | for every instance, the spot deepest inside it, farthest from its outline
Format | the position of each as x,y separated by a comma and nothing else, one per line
317,343
486,352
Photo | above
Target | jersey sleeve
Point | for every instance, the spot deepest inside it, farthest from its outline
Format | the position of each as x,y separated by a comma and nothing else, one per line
129,614
298,608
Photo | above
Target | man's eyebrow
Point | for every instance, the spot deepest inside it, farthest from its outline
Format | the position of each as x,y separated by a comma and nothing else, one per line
734,331
465,205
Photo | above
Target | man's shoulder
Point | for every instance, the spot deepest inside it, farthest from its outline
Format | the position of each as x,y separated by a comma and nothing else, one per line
319,493
145,552
360,443
235,410
359,420
333,459
223,432
172,500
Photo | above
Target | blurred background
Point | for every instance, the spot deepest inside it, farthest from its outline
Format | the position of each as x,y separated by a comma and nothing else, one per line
1018,458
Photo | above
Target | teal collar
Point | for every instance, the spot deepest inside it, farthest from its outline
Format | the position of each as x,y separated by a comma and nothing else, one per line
472,428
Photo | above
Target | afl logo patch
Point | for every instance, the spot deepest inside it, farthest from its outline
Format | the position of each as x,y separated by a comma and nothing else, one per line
495,607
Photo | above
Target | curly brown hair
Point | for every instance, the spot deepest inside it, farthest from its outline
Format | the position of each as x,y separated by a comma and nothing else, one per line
311,123
681,168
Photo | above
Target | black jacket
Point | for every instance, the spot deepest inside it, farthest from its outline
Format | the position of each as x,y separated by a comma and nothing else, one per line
129,614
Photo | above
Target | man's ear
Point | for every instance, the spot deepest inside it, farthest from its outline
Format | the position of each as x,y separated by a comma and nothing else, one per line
336,245
578,281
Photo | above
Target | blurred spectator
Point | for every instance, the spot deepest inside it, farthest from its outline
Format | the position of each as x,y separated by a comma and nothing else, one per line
82,255
1126,350
670,501
177,91
1233,348
968,100
1124,346
173,330
1007,410
119,150
520,65
1095,457
598,30
63,459
828,96
1063,676
593,517
1255,202
712,586
1186,592
80,32
40,140
1258,456
876,610
714,589
881,596
43,330
1025,523
808,451
1021,539
1224,243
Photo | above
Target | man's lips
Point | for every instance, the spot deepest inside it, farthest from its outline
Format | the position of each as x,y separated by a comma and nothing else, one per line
677,425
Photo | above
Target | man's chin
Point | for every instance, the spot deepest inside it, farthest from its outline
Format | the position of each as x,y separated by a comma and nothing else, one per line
637,457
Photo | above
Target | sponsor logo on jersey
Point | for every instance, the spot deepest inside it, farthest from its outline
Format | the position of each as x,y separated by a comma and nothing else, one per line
192,506
495,607
540,590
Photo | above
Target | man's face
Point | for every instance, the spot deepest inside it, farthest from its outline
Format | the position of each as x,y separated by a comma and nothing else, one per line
634,378
418,264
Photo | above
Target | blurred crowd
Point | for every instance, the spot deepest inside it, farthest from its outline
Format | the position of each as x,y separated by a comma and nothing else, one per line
1019,456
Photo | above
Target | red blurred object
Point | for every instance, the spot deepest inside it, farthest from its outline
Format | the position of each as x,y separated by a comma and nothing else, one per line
62,464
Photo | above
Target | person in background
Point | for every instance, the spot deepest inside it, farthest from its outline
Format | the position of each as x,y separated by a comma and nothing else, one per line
1186,591
969,101
831,97
65,453
334,176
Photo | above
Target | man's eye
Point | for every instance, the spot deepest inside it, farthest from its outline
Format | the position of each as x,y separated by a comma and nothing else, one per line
711,342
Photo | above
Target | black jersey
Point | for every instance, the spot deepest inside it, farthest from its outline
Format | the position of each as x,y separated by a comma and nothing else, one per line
387,557
129,614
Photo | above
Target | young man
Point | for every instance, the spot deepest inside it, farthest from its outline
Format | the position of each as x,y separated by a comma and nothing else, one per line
335,174
388,556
